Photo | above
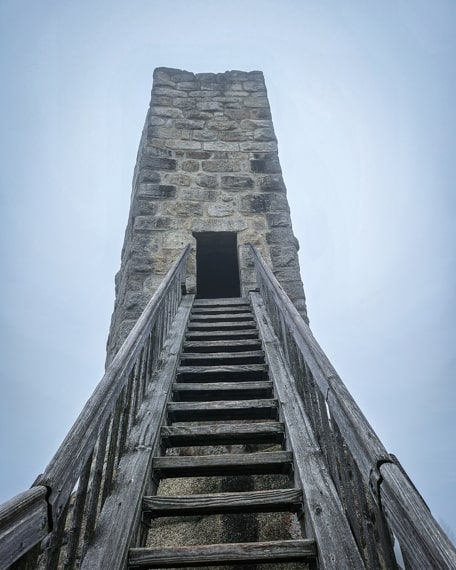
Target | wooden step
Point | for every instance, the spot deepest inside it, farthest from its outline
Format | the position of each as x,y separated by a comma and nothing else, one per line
276,500
222,302
225,309
190,392
222,410
223,554
213,358
278,462
223,434
221,317
245,345
222,325
202,335
227,372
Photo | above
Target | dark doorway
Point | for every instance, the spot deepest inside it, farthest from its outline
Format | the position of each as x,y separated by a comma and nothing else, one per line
217,267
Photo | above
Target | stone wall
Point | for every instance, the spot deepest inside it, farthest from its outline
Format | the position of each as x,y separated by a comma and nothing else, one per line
207,161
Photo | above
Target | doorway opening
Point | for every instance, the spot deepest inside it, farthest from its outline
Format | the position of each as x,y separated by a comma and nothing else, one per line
217,266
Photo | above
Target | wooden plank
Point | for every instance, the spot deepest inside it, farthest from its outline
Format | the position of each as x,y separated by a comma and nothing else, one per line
218,326
323,508
424,543
219,554
227,345
222,302
23,523
218,310
223,434
221,335
65,467
238,371
222,410
221,317
121,513
222,390
275,500
214,358
225,464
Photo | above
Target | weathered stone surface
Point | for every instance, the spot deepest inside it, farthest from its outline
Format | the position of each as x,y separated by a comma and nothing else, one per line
207,162
206,181
236,182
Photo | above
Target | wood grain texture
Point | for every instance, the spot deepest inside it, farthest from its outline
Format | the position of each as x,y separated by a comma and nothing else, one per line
323,508
216,345
222,390
219,503
226,464
236,553
23,523
214,358
223,434
121,512
222,410
63,471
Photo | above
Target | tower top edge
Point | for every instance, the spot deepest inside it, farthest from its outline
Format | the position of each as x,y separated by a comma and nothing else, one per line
174,74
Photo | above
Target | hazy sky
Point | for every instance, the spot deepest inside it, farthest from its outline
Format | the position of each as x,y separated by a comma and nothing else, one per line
363,100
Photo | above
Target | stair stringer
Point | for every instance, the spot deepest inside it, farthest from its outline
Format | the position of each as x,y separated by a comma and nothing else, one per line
121,514
324,513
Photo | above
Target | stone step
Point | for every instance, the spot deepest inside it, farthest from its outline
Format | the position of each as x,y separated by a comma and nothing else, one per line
245,553
228,464
215,358
269,501
223,434
190,392
222,410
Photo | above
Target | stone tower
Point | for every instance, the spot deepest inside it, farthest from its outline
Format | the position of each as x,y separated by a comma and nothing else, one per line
208,174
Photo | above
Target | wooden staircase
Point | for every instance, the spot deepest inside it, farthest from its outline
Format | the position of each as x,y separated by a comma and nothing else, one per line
222,396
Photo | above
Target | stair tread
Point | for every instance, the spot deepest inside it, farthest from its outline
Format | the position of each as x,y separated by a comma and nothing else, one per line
233,368
223,433
224,464
209,346
247,316
223,390
224,309
251,334
227,355
222,410
220,325
220,302
218,503
220,554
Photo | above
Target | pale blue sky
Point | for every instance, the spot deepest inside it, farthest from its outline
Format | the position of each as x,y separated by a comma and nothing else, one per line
363,100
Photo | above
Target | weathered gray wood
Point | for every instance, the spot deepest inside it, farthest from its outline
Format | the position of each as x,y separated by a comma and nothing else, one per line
225,464
63,471
422,539
216,345
214,358
220,310
275,500
222,325
220,317
227,334
219,554
237,371
222,434
222,390
23,523
122,509
222,302
222,410
323,508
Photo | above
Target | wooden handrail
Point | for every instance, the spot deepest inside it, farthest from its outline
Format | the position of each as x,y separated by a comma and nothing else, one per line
422,540
74,463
